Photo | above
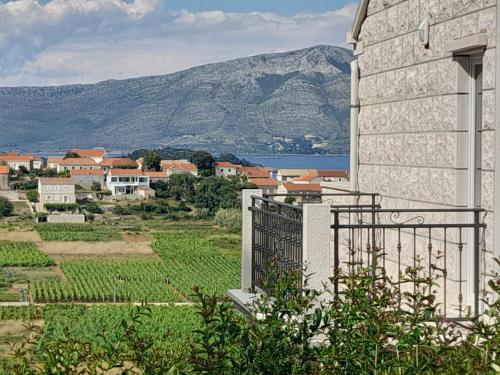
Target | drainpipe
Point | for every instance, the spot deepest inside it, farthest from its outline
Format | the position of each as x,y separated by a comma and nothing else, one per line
353,173
496,207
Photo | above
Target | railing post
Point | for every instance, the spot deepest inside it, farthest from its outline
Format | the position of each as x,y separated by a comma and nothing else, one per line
477,275
336,257
246,237
373,239
316,243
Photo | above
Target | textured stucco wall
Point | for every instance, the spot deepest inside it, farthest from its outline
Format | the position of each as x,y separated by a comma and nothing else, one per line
414,105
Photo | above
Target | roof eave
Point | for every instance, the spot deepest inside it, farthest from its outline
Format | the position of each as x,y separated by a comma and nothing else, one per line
358,21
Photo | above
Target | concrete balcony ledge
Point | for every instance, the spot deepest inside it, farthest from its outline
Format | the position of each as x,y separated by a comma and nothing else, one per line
242,299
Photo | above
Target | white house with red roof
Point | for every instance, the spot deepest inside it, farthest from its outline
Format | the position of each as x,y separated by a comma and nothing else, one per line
126,182
178,166
226,169
97,154
16,160
55,190
4,177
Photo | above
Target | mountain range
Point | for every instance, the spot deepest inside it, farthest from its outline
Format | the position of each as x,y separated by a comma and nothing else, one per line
291,102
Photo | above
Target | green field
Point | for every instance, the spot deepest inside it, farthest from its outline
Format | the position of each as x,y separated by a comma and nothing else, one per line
192,258
77,232
102,280
169,325
22,254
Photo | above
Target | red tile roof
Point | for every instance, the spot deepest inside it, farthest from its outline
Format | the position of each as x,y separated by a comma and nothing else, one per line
16,157
303,187
333,173
254,172
87,172
126,172
95,152
226,164
264,181
178,165
54,159
156,174
118,162
57,181
4,169
78,161
307,177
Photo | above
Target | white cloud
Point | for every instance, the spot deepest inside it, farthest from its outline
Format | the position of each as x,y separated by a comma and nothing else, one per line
68,41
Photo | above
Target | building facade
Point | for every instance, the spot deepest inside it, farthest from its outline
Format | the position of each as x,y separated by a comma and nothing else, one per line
125,182
423,118
96,154
55,190
86,178
226,169
4,177
70,164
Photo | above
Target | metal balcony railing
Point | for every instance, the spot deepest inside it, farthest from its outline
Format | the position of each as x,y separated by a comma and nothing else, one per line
443,244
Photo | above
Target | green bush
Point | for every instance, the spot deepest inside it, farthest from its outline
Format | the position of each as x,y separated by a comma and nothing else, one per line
96,186
60,206
32,195
6,207
229,218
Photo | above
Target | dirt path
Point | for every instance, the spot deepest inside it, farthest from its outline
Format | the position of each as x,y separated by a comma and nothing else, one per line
20,236
96,248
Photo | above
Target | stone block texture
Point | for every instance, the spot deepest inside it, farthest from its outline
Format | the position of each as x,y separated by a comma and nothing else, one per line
414,108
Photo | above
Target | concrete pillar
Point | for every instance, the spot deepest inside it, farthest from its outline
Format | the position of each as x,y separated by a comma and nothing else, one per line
316,243
246,237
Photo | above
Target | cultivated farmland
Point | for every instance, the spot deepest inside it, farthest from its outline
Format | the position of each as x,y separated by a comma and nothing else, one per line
23,254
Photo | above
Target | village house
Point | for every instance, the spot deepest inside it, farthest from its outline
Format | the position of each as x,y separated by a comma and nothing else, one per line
15,161
178,166
86,178
53,162
157,176
267,185
320,176
291,174
125,182
301,193
96,154
226,169
55,190
69,164
255,172
4,177
121,163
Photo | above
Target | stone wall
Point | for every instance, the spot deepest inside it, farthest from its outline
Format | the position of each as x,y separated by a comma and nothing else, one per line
414,105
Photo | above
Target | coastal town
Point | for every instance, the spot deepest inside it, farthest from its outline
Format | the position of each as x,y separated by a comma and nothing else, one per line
84,174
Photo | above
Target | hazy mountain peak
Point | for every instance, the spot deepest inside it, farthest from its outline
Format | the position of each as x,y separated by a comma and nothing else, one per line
282,101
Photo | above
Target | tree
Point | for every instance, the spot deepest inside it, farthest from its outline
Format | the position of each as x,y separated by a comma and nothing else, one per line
152,161
71,155
182,186
6,207
217,192
96,186
162,189
231,158
204,162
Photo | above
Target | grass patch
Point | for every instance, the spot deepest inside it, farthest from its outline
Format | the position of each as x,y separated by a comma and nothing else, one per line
104,280
22,254
77,232
191,258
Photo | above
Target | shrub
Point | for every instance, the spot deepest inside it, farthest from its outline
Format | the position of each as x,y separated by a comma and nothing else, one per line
93,208
60,206
6,207
32,195
78,187
96,186
229,218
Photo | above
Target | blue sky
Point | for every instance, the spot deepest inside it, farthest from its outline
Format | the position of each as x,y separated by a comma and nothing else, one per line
54,42
284,7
